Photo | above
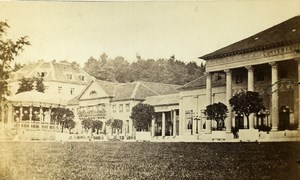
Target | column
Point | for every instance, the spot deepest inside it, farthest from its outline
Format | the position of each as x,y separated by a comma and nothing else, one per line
200,123
30,116
174,123
41,116
181,117
251,88
153,126
49,123
21,115
275,109
194,123
298,60
228,121
208,88
163,124
207,122
10,115
2,112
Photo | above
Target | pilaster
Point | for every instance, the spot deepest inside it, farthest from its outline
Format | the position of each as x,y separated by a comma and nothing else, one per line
228,120
250,88
275,109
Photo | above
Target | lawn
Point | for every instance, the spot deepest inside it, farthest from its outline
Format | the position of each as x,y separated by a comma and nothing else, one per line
120,160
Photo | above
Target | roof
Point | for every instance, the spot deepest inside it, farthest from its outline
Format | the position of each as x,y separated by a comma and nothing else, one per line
73,101
37,97
218,79
138,90
170,99
54,71
285,33
108,87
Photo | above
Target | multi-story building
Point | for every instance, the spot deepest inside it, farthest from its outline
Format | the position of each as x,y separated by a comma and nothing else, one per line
102,100
60,78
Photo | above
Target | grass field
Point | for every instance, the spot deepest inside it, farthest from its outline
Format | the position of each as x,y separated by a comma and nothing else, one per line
119,160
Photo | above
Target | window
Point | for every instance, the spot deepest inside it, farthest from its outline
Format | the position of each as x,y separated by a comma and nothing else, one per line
70,76
239,79
72,91
43,74
114,107
260,76
120,107
188,118
93,94
59,89
81,78
127,106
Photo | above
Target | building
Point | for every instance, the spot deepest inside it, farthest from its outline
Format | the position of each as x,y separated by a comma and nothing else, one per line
267,62
60,78
102,100
34,110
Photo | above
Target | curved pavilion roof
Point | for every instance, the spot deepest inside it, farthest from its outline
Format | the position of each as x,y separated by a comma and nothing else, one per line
36,98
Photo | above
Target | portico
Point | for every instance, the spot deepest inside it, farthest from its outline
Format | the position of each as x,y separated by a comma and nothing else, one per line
270,67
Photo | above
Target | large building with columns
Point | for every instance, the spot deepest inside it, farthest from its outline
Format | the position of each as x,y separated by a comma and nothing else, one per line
267,62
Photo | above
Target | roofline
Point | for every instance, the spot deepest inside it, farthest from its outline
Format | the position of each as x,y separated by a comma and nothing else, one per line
168,104
129,99
247,50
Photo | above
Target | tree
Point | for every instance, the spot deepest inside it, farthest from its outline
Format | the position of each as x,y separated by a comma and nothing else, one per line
18,66
87,124
97,125
141,116
8,50
68,120
115,124
28,84
64,117
217,112
246,102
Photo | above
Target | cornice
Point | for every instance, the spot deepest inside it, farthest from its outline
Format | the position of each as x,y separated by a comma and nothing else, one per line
254,58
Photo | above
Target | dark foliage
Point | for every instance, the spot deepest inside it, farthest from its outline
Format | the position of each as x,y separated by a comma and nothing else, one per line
8,50
141,116
28,84
246,102
170,70
217,112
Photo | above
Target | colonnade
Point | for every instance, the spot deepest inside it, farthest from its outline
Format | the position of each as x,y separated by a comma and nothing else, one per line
173,113
250,87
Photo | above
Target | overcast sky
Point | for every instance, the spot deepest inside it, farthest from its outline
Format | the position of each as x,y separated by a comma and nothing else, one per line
75,31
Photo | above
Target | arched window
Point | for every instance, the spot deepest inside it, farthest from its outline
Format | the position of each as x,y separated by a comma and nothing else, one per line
93,94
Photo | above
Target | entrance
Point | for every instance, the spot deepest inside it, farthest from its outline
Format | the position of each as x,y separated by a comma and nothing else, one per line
284,118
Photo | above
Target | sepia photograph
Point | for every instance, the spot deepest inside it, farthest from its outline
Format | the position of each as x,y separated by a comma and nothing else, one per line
150,89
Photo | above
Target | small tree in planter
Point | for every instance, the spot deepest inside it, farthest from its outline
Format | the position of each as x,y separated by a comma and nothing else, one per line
247,102
217,112
65,117
97,125
87,124
115,124
141,116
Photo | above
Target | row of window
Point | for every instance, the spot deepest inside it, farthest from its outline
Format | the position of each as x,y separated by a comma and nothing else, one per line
69,76
72,90
121,108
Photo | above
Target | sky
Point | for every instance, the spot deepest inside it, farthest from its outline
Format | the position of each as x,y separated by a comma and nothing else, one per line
75,31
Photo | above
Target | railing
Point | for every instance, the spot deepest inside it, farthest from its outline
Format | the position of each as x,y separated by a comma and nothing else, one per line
38,125
91,113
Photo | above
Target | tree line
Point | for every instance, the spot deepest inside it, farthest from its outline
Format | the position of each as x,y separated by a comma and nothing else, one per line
118,69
